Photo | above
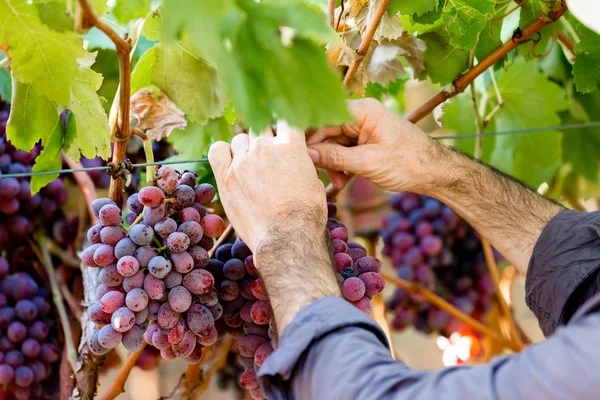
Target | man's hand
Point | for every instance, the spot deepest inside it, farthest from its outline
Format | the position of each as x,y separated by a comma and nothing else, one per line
268,184
275,201
380,146
396,155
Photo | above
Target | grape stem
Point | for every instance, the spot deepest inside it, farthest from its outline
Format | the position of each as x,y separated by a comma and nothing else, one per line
117,387
442,304
218,365
225,236
150,171
66,258
135,222
43,253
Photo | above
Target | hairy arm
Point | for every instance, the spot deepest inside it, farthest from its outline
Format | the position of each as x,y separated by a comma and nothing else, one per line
396,155
510,215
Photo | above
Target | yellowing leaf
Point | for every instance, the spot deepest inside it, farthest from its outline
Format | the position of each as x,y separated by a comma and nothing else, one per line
389,28
355,6
40,56
156,113
126,10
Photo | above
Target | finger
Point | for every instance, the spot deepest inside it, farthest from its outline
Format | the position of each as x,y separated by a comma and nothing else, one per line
289,133
239,144
267,132
337,157
219,157
337,178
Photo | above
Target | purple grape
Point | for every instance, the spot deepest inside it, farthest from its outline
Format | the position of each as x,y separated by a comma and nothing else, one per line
204,193
165,227
133,203
99,203
159,267
141,234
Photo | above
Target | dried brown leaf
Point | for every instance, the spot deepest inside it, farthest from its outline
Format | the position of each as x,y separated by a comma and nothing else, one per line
156,113
390,27
355,6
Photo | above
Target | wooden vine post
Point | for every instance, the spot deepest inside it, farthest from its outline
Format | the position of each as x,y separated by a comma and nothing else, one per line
86,374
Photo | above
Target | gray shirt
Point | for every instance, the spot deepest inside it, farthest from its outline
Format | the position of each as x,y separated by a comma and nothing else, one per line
332,351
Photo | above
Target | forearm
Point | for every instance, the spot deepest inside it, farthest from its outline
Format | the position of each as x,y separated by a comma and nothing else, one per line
297,269
510,215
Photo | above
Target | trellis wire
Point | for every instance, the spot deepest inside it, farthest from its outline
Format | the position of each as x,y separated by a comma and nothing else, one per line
204,159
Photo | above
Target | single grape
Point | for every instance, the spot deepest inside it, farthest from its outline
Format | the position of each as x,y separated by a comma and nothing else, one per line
108,337
199,319
250,267
223,252
165,227
24,376
93,234
137,299
204,193
248,345
234,269
150,333
87,256
368,264
134,281
199,281
209,299
153,215
99,203
128,266
189,214
110,276
188,178
167,317
160,340
141,235
348,273
257,290
183,262
167,354
154,287
260,312
159,267
110,215
7,374
173,279
342,260
39,330
180,299
130,218
212,226
144,254
30,348
141,316
208,338
134,204
153,307
228,290
14,358
339,246
248,379
186,347
151,196
183,196
206,242
176,333
133,339
111,301
16,331
166,179
112,235
246,289
125,247
356,254
39,370
123,319
104,255
178,242
262,353
340,233
193,231
216,311
26,310
374,283
199,255
353,289
363,305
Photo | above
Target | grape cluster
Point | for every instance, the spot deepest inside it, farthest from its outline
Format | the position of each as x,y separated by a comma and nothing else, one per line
155,284
429,244
26,354
246,308
19,210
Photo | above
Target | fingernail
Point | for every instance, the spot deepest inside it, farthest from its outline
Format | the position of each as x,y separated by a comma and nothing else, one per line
314,155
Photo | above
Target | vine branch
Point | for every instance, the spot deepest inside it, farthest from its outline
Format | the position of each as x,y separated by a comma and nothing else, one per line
366,42
118,385
442,304
567,41
461,83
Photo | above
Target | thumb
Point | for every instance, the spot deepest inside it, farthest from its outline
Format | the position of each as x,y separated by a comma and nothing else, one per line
336,157
219,157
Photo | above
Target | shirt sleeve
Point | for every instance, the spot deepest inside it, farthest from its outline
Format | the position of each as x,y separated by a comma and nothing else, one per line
563,270
333,351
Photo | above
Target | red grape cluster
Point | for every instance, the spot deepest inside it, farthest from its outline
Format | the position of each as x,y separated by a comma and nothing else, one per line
246,308
153,282
20,212
26,354
429,244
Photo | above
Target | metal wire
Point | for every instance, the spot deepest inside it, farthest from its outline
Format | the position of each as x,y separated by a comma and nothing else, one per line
204,160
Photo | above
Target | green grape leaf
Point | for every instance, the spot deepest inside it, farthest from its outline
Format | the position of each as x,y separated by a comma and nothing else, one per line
581,147
443,62
142,73
269,55
32,116
50,159
489,38
5,85
40,56
530,101
53,13
126,10
100,7
418,7
432,16
189,81
459,117
587,60
107,64
153,28
91,134
464,20
194,141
